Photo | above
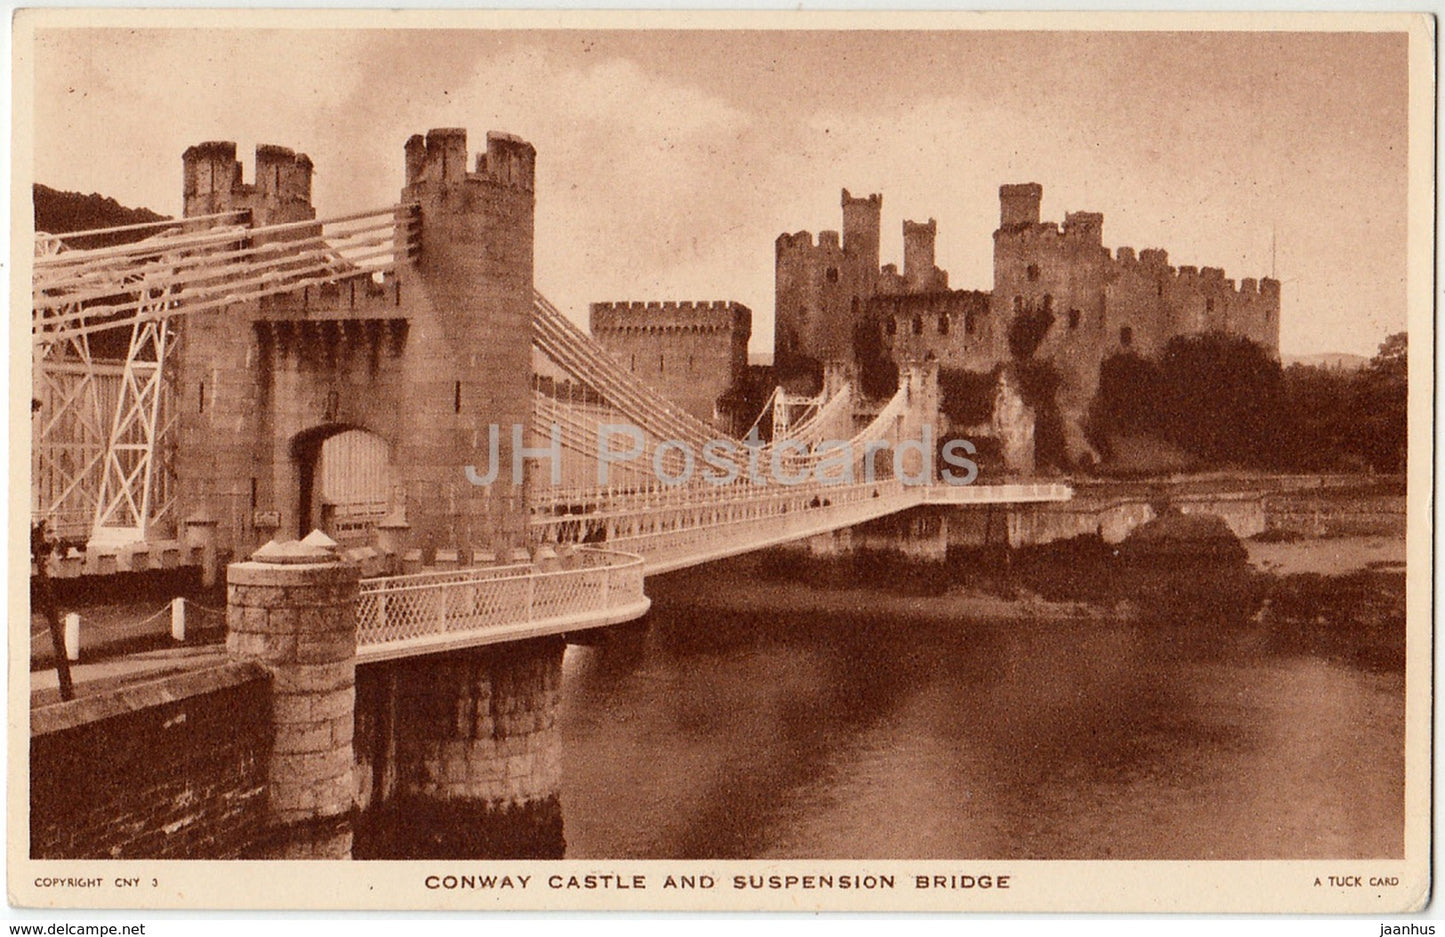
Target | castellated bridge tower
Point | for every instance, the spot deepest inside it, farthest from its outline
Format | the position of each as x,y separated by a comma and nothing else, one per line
280,194
357,404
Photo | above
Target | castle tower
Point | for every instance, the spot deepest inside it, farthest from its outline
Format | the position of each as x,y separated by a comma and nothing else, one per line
475,269
918,265
281,193
1019,204
861,225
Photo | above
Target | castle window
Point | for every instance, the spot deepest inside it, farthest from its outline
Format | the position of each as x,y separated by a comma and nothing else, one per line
661,366
1033,273
1018,304
1073,318
1268,314
968,323
457,398
943,325
1159,288
632,364
891,326
832,274
917,325
1126,336
1209,304
689,364
201,403
1048,305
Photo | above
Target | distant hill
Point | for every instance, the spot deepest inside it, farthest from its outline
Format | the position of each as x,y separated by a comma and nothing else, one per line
1333,360
61,212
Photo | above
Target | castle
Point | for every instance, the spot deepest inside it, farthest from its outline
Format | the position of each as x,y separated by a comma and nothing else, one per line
1084,302
695,353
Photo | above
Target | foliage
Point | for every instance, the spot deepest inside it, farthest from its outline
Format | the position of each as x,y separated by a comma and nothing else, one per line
877,372
1027,330
966,397
1220,397
1225,401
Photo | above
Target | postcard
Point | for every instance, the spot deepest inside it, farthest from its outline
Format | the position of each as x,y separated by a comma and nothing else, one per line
714,461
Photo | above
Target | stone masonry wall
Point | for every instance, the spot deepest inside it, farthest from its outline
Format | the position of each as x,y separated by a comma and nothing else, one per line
691,353
477,758
174,769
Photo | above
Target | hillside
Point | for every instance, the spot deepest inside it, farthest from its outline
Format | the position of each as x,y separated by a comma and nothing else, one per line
59,212
1331,360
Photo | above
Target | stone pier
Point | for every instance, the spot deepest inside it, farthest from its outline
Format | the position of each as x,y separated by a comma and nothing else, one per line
460,754
292,608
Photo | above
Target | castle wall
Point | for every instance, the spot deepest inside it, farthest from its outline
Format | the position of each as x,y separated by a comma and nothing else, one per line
1102,304
427,360
691,353
955,327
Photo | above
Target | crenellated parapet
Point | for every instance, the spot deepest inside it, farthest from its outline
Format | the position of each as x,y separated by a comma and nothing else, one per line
694,317
212,182
440,158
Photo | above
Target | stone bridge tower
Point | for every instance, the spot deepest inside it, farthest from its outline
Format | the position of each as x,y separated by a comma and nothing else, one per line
365,399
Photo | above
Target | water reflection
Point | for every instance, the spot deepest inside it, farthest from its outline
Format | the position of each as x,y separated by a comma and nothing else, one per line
758,714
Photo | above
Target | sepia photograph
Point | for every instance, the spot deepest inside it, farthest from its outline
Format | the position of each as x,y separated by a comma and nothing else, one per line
721,462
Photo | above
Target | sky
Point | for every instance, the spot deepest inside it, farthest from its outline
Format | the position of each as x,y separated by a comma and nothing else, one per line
670,161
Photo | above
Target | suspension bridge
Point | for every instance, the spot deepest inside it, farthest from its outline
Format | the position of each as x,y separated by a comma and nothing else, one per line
206,385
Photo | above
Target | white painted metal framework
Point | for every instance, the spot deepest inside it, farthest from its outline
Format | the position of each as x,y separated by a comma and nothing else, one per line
104,326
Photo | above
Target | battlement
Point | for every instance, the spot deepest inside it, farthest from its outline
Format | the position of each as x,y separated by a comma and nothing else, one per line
715,315
212,182
802,242
441,158
873,201
1211,281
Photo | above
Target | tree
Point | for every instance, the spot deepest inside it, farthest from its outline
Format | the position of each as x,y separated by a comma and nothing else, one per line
877,372
1382,401
966,397
1127,400
1221,398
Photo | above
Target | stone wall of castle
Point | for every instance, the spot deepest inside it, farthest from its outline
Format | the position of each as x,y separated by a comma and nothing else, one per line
820,287
956,327
691,353
1097,304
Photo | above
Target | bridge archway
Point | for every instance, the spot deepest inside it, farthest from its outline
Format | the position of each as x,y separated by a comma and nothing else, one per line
344,478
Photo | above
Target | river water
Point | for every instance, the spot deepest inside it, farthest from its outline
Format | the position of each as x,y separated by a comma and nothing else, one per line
811,709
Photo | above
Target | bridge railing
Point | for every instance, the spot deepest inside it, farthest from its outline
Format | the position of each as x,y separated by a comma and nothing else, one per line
400,615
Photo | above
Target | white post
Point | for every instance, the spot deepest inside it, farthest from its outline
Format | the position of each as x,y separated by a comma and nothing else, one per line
72,636
178,619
